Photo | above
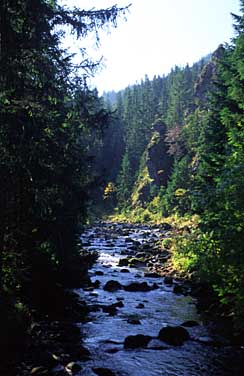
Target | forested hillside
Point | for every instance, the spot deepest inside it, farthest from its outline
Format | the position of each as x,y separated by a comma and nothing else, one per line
181,155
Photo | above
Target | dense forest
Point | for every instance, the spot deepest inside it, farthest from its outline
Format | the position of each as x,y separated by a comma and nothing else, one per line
48,120
174,149
170,149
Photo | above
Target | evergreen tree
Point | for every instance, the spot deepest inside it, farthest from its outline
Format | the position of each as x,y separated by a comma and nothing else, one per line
45,112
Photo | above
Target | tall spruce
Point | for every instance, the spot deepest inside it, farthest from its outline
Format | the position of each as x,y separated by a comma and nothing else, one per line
45,112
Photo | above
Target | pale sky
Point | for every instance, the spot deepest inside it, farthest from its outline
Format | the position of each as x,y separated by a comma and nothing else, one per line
157,35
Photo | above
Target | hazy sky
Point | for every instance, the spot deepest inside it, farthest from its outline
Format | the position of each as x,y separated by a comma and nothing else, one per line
158,35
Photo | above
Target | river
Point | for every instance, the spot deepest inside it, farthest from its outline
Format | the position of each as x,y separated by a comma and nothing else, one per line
115,315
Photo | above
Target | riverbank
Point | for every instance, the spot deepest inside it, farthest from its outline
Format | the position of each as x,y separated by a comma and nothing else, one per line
44,339
185,246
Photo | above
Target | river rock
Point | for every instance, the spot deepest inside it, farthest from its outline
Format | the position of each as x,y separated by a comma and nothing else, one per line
178,289
140,306
103,372
140,286
99,272
141,255
123,262
168,280
133,247
111,309
134,321
73,367
137,341
96,284
124,270
174,335
136,242
112,286
39,371
133,262
119,304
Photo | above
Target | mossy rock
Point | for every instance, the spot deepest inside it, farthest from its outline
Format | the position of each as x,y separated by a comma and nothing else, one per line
134,262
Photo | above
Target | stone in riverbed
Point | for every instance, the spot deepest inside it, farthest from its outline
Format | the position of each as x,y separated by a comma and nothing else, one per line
111,309
137,341
174,335
96,284
39,371
140,306
168,280
136,242
124,270
123,262
178,289
112,286
136,262
141,255
73,367
99,272
134,321
137,286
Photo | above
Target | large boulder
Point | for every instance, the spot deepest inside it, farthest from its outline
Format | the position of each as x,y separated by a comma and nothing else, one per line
123,262
140,286
137,341
136,262
112,286
174,335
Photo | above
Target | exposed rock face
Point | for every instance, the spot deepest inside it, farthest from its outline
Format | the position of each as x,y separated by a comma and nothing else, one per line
159,162
156,167
205,81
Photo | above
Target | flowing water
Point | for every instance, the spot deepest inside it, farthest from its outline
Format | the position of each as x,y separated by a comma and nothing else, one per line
104,333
